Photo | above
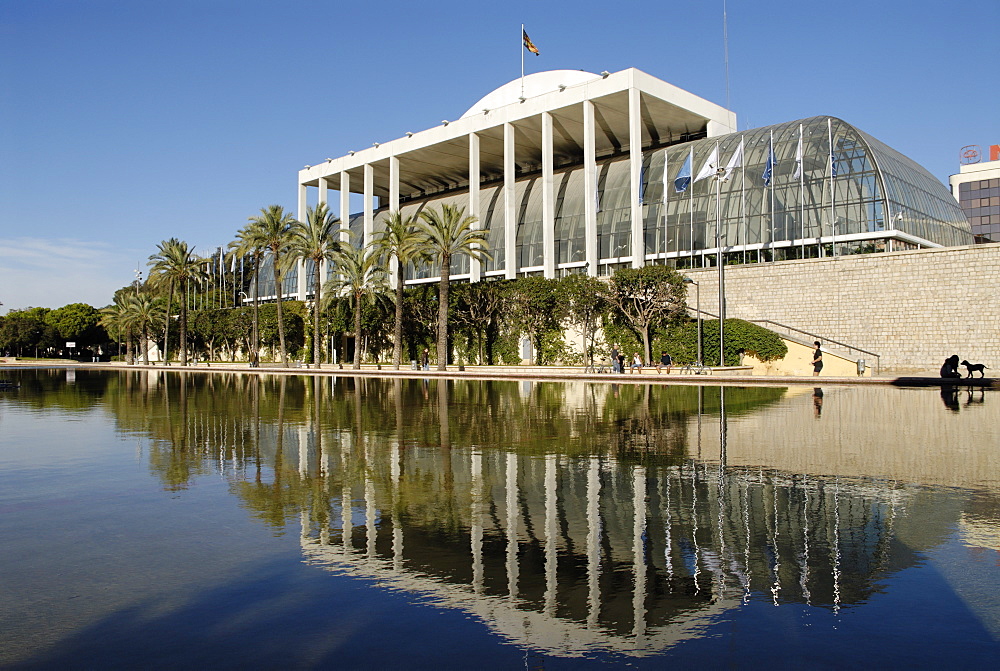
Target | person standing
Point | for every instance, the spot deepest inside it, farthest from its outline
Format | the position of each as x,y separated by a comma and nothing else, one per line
614,359
817,361
425,359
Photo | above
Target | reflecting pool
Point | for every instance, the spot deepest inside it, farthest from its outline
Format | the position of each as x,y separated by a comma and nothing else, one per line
225,520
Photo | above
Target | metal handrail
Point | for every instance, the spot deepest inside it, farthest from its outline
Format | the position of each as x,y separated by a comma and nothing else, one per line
815,336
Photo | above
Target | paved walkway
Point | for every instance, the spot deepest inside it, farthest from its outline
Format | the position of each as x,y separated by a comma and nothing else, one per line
540,373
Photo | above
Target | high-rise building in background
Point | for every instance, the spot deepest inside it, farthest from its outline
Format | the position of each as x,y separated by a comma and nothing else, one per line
977,189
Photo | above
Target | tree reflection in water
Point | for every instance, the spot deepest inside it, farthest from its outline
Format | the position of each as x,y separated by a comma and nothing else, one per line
567,516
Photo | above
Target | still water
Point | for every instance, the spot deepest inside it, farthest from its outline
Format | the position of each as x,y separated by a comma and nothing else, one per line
190,520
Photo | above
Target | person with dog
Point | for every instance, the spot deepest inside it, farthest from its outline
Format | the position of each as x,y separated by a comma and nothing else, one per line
817,362
949,370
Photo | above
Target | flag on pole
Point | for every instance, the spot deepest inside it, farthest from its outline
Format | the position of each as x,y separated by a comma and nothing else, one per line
833,165
528,44
769,166
735,162
683,179
798,157
710,166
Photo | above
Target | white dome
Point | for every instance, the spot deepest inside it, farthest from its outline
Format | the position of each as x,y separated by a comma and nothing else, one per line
534,85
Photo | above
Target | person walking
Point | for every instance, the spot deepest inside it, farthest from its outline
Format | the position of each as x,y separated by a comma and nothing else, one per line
615,366
425,359
817,361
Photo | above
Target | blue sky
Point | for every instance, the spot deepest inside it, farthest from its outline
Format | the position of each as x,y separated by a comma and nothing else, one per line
126,123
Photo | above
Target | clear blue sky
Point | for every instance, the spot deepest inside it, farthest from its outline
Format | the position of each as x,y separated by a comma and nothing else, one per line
123,123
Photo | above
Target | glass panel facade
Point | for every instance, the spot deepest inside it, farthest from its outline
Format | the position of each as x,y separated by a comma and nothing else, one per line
843,192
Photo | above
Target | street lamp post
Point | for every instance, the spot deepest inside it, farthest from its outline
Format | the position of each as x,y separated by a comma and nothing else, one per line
697,308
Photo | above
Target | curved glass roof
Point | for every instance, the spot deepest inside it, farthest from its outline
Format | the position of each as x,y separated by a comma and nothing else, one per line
843,192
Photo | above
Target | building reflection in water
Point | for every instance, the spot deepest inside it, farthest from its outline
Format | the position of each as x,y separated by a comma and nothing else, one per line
567,517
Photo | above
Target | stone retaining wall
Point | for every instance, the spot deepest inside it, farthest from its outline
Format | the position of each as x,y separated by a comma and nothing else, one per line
914,308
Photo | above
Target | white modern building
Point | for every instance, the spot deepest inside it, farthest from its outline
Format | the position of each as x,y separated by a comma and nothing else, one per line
573,172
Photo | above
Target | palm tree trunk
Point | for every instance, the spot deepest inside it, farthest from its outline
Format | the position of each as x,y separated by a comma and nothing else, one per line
442,346
397,331
316,305
281,323
357,331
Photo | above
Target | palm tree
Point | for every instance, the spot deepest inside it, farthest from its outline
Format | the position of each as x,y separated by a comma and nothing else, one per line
360,276
114,320
316,240
449,232
175,265
272,231
403,240
143,311
247,244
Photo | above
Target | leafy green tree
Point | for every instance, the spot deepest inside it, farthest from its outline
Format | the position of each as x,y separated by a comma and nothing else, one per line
360,276
480,309
175,266
449,232
402,240
22,329
648,296
272,230
536,309
316,240
79,323
586,303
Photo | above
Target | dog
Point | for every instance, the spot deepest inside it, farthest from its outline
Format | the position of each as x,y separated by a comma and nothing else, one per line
973,367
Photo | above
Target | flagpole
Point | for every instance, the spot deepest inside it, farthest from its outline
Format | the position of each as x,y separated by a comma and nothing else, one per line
720,259
691,204
666,196
770,151
802,202
833,223
521,46
743,202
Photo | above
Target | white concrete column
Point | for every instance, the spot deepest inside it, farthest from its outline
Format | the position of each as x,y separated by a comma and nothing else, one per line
371,531
551,529
475,266
590,188
635,176
476,523
396,474
512,516
393,207
369,206
345,203
548,201
593,542
639,551
323,198
300,266
346,499
509,204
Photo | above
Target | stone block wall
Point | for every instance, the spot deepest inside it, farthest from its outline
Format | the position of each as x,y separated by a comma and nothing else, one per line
914,308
